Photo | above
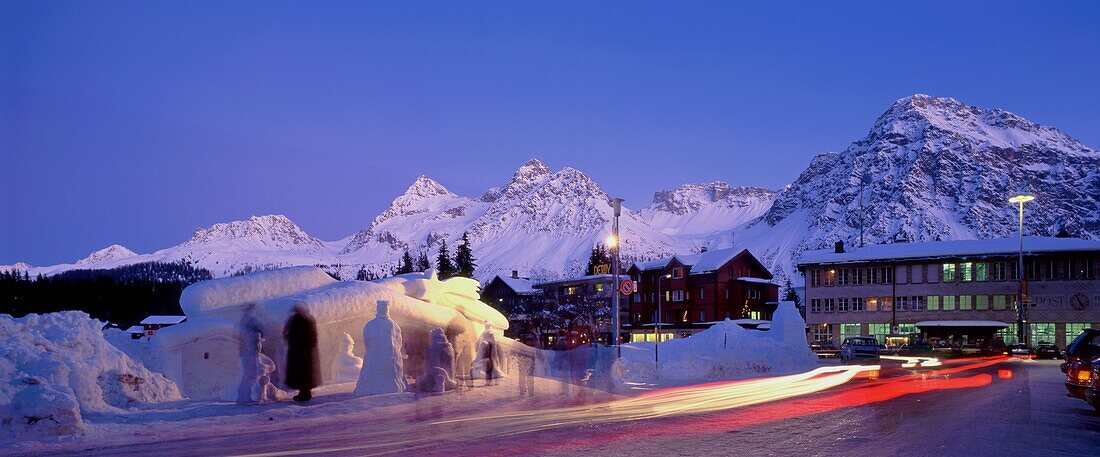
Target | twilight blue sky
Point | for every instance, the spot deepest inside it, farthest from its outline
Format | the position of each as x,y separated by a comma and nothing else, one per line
136,122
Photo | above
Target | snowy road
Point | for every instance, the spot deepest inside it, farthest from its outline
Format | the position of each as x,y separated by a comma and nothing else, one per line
976,407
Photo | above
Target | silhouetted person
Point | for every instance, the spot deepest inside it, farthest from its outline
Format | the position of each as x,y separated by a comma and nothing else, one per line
303,367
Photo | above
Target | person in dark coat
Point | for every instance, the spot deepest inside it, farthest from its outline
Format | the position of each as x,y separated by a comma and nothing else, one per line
303,367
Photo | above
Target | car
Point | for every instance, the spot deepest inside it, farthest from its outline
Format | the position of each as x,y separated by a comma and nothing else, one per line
1092,393
1047,351
1078,367
859,347
1020,350
995,347
916,349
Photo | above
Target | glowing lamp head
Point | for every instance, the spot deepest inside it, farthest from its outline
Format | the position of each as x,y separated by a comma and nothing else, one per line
1021,198
611,241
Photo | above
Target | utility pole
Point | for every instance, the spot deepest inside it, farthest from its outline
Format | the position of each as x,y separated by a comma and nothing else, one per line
1021,329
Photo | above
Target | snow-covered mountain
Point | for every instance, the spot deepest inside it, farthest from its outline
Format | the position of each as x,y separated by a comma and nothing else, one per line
109,253
935,167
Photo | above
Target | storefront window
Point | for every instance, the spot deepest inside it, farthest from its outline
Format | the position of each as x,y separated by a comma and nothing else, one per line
879,331
1008,334
1075,328
1041,332
847,330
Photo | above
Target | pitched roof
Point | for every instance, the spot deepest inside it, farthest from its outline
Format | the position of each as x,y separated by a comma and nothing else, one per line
945,249
521,286
162,320
703,262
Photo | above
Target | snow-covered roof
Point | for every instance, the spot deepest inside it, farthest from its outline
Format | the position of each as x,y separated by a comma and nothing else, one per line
521,286
756,280
703,262
945,249
961,324
576,279
135,329
162,320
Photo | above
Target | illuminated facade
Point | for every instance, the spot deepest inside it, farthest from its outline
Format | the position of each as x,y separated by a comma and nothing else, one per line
961,292
697,290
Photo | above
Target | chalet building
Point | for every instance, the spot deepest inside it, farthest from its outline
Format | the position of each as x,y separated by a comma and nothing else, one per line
954,292
510,295
695,291
584,302
151,324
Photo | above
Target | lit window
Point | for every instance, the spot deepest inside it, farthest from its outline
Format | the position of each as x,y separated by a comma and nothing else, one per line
981,302
981,271
948,302
830,277
933,302
966,272
966,302
948,272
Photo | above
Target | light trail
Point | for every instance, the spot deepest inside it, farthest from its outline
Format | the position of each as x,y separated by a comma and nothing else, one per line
914,362
689,400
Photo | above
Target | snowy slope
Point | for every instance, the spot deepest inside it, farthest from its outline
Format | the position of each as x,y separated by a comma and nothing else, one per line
107,254
938,169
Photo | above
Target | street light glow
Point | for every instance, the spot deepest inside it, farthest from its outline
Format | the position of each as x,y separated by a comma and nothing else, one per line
1022,198
611,241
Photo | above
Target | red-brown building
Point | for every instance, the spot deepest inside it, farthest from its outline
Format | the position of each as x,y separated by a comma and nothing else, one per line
695,291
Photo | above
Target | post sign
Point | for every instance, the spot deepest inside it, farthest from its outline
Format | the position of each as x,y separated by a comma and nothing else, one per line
626,287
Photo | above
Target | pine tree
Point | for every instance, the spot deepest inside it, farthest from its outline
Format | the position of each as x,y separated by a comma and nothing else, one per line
791,294
598,256
443,264
422,263
464,258
406,263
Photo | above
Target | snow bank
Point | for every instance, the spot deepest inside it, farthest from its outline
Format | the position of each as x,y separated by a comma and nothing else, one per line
53,367
727,351
207,296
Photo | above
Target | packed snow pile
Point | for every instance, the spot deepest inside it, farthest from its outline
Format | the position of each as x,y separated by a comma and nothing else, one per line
53,367
726,351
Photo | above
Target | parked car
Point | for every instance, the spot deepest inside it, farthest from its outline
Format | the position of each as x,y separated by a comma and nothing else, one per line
995,346
824,349
1078,367
1047,351
859,347
1092,393
1020,350
916,349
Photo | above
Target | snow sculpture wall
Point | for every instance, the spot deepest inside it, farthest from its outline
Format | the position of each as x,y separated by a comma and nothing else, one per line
201,354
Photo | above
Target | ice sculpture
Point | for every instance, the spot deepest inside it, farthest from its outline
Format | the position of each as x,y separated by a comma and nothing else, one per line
383,363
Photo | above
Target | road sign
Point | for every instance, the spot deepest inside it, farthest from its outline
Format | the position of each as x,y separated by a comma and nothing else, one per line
626,287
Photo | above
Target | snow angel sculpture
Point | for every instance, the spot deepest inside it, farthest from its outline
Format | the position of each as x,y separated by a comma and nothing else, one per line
488,364
439,363
383,363
303,366
346,365
262,366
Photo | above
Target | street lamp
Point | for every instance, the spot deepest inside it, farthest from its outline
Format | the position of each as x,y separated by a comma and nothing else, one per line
657,327
1021,334
613,241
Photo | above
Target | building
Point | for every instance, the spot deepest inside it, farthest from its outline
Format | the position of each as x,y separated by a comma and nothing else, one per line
962,292
151,324
694,291
583,304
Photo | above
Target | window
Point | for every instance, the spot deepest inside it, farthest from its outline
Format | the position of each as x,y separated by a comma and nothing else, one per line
842,277
879,331
830,277
872,304
668,295
677,273
1031,269
847,330
981,271
999,302
822,332
727,293
701,293
677,295
887,275
571,290
830,305
949,302
933,302
815,278
1041,332
815,305
872,275
948,274
1053,269
966,302
966,272
916,303
599,287
1013,271
1073,329
653,297
1008,335
702,315
885,303
857,276
842,305
999,271
754,294
857,303
981,302
902,303
683,315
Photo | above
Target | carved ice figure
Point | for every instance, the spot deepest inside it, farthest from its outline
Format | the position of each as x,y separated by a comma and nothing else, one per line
383,363
346,366
488,362
439,360
257,369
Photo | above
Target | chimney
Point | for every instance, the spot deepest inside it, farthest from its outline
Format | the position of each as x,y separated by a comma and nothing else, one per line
515,274
702,249
839,247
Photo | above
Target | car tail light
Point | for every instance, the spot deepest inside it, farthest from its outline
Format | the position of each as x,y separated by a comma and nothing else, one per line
1083,376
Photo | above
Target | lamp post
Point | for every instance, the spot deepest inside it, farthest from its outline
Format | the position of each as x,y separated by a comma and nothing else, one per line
617,206
1021,333
657,327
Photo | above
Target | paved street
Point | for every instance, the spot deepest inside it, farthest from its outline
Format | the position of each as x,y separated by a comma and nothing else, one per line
971,407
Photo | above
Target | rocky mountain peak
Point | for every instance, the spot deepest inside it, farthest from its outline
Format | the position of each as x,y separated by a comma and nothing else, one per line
112,252
271,231
425,187
692,197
